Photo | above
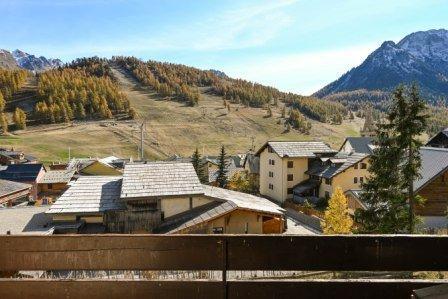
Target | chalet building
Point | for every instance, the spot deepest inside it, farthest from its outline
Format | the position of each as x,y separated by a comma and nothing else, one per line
8,157
347,171
54,183
362,145
251,165
25,173
439,140
12,193
89,166
432,186
283,165
163,197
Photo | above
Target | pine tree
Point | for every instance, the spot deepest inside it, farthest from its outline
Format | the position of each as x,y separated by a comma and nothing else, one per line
337,219
222,169
198,166
4,123
386,211
19,118
408,119
394,166
2,102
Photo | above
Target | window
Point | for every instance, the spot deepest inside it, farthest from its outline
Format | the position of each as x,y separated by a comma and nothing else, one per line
270,149
191,203
290,177
328,181
290,190
218,230
361,180
273,162
327,194
271,174
290,164
355,180
363,166
50,186
271,186
356,166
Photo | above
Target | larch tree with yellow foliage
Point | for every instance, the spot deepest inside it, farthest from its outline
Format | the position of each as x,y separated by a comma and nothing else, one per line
337,219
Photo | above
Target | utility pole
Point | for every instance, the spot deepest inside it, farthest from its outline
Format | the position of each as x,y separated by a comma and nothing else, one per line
141,140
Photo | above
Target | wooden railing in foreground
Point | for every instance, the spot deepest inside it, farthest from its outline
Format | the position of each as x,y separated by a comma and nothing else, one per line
222,253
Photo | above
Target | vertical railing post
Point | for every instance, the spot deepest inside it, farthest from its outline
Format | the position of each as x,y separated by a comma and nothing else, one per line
224,266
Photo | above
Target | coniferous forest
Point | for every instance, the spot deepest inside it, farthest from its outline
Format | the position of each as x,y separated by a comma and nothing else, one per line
84,89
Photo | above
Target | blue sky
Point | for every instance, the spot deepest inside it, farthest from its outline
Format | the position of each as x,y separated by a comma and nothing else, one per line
294,45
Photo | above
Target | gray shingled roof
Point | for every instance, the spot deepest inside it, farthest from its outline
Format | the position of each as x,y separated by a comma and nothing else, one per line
340,164
93,194
253,163
8,187
295,149
211,214
243,200
233,200
360,144
160,179
434,162
57,176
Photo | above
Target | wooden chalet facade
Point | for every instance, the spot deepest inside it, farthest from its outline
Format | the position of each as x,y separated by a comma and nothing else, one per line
25,173
164,197
12,193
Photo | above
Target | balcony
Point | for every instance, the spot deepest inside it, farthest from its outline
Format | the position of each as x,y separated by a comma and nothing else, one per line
221,255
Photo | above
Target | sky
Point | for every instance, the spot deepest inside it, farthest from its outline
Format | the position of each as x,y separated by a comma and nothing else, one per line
293,45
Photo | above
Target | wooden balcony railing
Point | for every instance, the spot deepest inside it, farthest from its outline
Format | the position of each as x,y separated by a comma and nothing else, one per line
219,253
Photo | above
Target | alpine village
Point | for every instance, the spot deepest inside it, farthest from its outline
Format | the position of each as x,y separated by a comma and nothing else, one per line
170,161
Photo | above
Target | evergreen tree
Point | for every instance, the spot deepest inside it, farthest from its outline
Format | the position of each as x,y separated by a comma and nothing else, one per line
4,123
222,169
336,218
408,119
394,166
198,166
19,118
386,211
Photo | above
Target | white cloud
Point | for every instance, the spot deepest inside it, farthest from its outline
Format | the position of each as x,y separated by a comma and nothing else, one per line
302,73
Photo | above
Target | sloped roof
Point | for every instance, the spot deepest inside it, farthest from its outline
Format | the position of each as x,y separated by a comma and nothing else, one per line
340,164
57,176
232,200
360,144
9,187
160,179
21,172
93,194
295,149
434,163
443,133
253,163
244,200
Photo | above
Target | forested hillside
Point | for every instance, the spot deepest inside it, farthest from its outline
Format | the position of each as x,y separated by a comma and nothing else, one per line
82,90
180,82
11,81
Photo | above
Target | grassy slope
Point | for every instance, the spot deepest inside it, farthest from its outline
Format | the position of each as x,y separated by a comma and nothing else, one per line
172,128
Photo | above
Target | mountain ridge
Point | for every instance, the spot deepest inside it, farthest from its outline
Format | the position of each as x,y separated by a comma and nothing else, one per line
20,59
420,57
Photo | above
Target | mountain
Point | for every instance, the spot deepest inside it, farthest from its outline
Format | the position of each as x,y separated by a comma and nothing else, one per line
420,57
34,63
7,61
